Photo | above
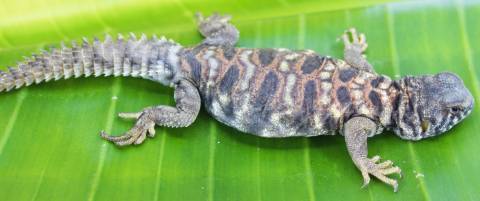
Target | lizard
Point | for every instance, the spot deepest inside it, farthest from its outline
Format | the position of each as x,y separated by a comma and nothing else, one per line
266,92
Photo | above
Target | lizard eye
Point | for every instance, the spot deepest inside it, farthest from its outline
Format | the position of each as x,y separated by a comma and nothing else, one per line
456,109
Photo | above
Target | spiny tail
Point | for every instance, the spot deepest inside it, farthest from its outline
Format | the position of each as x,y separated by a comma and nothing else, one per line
154,59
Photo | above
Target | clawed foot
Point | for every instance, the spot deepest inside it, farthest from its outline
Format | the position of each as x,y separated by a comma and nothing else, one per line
380,171
212,24
214,19
217,30
143,127
353,41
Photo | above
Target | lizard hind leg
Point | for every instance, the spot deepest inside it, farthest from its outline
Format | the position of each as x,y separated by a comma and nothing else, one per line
187,107
217,30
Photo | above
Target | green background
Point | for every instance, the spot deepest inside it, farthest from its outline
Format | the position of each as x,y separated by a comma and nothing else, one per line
49,143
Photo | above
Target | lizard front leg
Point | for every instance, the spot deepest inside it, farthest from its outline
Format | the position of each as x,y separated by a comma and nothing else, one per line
187,107
356,131
355,45
217,30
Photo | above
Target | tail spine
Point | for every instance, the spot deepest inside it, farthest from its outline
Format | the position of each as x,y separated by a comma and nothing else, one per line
155,59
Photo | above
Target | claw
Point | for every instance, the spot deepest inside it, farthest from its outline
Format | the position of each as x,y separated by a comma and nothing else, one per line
362,38
366,181
366,177
380,171
135,135
151,131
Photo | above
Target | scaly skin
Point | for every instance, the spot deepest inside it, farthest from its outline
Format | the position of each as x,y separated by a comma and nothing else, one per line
284,93
265,92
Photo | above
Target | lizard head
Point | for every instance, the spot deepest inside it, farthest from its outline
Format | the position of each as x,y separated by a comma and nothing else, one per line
430,105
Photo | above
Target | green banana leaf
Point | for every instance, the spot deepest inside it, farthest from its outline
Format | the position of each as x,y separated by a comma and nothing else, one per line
49,143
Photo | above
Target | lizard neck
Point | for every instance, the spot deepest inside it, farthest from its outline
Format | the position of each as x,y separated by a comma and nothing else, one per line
382,97
405,117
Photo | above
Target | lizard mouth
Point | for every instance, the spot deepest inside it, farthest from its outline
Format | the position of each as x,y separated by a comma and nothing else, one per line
450,120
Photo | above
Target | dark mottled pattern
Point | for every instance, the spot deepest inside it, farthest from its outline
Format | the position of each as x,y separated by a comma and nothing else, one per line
229,79
302,123
207,98
347,74
267,90
228,110
409,119
375,82
396,85
395,107
251,110
443,123
261,111
197,49
349,112
309,96
329,121
229,52
377,103
266,56
411,102
16,73
311,63
329,80
195,66
343,96
304,120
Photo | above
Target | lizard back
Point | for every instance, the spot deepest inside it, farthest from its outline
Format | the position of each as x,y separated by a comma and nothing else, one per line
284,93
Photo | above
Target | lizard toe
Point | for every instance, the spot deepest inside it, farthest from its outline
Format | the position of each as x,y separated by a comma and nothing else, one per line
391,170
113,138
355,41
130,115
381,170
366,178
136,135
